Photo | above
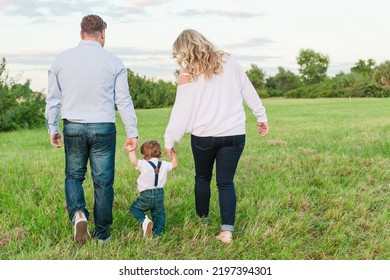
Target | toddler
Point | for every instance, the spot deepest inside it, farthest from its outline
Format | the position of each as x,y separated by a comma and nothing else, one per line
150,185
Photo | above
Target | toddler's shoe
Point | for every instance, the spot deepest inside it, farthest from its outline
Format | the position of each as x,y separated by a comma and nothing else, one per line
147,226
81,233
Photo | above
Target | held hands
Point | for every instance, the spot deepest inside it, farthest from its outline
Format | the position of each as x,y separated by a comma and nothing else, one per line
131,144
262,128
54,140
170,152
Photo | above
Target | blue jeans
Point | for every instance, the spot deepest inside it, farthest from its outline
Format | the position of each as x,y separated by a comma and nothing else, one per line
225,152
94,142
152,200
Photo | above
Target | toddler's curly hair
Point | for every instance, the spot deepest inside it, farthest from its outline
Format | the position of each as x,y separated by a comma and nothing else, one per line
151,149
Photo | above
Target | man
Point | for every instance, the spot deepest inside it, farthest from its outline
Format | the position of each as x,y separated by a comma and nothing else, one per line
88,82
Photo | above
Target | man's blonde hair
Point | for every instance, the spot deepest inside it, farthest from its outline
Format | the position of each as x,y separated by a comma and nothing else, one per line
191,49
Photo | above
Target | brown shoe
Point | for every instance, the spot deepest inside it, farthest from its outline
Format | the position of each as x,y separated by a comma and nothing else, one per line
81,234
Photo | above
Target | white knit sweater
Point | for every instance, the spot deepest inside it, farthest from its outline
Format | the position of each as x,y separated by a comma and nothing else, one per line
214,107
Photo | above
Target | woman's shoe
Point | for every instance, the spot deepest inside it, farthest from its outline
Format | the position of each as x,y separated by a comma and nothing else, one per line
204,220
225,237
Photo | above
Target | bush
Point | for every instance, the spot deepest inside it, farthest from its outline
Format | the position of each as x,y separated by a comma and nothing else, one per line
262,93
148,94
342,85
20,107
282,82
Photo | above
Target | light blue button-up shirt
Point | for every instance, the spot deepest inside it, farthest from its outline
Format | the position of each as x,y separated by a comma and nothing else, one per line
88,81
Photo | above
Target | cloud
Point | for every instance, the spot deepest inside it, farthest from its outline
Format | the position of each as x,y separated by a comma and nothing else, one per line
254,58
152,62
145,3
231,13
250,43
45,11
37,8
134,56
31,58
336,68
155,63
131,51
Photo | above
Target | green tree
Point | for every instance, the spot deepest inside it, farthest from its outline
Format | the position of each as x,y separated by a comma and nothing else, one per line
20,107
257,78
147,93
282,82
382,74
3,63
363,67
312,66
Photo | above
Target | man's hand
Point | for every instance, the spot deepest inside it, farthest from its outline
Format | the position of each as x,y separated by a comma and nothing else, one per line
131,144
54,140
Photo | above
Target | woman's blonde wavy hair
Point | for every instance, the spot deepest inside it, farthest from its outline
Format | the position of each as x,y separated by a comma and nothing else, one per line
191,49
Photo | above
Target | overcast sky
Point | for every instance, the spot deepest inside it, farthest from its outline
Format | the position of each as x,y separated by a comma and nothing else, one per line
268,33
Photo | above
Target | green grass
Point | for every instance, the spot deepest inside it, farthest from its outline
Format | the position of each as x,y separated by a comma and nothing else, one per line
317,187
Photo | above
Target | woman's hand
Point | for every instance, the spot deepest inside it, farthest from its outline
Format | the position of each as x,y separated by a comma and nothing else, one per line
262,128
170,152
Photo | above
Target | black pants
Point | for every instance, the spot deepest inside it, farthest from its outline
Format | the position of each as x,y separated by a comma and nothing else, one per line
225,152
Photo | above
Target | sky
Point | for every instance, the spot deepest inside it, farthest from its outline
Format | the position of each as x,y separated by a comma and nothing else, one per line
267,33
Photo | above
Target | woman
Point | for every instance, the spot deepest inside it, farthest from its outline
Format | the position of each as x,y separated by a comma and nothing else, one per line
209,104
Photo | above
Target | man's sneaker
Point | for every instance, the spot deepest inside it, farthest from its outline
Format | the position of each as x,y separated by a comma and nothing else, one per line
81,233
147,226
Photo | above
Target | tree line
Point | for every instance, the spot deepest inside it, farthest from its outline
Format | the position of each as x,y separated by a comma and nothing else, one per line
365,79
21,107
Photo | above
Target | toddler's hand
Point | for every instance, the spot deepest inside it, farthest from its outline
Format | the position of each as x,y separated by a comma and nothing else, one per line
169,152
131,144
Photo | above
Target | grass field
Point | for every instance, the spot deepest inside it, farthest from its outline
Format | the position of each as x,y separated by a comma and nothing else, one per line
317,187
